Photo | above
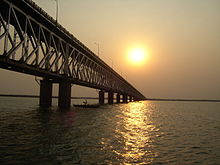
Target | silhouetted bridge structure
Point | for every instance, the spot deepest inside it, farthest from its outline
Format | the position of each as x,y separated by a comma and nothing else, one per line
32,42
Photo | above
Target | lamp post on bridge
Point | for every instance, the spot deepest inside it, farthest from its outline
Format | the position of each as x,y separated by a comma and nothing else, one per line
57,9
97,47
112,62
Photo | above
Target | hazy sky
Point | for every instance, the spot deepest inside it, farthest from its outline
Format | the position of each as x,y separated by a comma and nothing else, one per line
182,38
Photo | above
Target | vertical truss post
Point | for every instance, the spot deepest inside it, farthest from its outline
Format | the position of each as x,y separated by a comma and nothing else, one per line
37,46
14,42
7,31
26,42
66,60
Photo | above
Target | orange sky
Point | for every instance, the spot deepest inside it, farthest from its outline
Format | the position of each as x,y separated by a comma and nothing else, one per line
181,37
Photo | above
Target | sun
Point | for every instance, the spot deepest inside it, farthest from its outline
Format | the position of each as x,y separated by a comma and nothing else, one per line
137,55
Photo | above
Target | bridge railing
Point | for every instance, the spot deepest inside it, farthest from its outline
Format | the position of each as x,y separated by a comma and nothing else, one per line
34,43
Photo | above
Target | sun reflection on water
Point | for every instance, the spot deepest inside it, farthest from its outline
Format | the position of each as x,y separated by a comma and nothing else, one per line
138,142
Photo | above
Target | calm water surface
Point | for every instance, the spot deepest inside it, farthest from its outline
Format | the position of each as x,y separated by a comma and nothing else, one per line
136,133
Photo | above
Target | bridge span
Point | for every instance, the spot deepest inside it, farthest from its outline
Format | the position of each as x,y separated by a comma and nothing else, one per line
32,42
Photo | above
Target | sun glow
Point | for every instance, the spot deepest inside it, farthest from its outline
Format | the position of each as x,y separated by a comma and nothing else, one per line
137,55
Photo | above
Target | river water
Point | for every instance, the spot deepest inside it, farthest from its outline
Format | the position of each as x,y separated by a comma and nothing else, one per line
148,132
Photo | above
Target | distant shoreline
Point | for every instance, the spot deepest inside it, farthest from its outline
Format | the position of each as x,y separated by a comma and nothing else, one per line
96,98
191,100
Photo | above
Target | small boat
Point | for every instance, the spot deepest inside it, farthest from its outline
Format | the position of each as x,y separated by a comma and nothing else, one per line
87,105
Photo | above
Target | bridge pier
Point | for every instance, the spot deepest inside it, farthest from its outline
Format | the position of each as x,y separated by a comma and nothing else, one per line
45,93
110,97
118,98
125,98
101,97
64,99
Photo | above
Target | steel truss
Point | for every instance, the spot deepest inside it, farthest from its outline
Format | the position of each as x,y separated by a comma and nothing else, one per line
28,45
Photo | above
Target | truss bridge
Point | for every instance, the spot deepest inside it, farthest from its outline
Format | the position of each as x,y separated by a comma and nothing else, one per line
32,42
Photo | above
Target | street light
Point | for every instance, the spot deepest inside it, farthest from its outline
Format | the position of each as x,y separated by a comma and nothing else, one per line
97,47
107,58
112,62
57,8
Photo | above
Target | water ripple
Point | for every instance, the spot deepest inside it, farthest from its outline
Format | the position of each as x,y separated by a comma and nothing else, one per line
134,133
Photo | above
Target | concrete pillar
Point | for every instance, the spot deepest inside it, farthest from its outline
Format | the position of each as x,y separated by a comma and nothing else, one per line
110,97
118,98
130,98
64,99
125,98
45,93
101,97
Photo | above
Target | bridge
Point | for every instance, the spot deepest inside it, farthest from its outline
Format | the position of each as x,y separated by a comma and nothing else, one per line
32,42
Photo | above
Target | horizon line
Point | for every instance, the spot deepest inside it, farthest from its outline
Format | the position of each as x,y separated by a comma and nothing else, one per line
84,97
